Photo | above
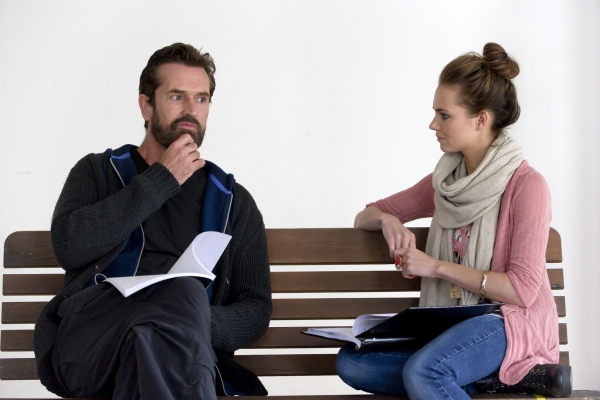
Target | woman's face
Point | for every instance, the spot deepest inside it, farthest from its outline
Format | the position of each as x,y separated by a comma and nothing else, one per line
455,129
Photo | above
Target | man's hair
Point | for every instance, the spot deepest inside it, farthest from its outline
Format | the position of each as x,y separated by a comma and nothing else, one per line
177,53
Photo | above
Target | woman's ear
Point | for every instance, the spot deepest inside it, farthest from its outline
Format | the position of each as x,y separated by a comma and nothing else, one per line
483,120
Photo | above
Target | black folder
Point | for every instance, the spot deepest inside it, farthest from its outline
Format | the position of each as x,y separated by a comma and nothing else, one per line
425,323
408,330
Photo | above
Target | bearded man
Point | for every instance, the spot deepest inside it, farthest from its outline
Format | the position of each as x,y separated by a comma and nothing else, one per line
133,211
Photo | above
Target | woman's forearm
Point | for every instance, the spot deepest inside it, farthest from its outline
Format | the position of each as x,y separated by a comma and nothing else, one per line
498,286
369,219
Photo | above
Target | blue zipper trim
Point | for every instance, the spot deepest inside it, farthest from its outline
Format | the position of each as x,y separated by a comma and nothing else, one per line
218,184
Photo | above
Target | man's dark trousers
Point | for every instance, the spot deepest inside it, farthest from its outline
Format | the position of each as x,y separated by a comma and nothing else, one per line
154,344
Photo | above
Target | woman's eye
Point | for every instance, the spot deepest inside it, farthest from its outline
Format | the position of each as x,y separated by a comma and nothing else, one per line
445,116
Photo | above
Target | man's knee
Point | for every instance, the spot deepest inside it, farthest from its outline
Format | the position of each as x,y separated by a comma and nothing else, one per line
185,295
186,286
187,283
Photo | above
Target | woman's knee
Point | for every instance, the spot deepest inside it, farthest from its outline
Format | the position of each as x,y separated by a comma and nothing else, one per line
459,356
346,366
417,369
371,371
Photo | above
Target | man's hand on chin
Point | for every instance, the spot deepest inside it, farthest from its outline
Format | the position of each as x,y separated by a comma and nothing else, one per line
182,158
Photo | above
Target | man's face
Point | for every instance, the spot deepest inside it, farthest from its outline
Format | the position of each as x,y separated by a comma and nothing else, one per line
181,104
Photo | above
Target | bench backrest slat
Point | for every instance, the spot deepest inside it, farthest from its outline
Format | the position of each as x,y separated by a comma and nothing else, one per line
29,249
286,247
283,309
275,338
352,246
281,282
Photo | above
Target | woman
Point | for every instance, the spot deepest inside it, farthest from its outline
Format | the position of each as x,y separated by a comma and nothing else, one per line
491,215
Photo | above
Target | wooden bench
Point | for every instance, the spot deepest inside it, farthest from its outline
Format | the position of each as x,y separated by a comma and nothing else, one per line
308,252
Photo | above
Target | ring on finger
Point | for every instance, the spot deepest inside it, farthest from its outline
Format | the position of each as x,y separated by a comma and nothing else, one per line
399,263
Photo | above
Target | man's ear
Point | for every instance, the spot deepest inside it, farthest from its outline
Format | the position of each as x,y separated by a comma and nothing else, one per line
145,107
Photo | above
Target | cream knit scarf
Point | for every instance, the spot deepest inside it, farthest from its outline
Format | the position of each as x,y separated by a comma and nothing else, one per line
460,200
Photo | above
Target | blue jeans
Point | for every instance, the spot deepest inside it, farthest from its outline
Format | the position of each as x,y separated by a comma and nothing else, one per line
442,369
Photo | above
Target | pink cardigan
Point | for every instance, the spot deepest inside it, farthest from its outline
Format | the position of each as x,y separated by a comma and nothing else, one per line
520,251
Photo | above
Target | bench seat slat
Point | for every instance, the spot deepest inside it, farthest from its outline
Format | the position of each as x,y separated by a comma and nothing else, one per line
275,338
332,397
576,395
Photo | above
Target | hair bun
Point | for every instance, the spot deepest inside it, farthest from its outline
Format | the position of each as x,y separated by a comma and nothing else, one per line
499,62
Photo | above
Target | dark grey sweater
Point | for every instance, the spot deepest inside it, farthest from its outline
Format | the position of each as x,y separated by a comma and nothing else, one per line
93,217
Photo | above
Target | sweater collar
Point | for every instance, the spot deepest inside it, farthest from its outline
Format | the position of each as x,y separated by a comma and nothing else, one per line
218,198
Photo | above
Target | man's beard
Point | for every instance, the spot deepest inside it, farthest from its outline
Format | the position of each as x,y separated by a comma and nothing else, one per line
165,135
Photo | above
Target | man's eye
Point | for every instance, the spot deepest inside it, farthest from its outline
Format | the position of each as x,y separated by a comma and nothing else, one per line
176,97
202,99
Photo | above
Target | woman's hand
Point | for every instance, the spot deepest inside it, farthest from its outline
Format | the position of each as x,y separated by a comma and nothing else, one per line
416,263
498,287
396,234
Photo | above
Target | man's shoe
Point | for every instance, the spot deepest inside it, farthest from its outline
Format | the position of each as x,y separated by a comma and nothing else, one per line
549,379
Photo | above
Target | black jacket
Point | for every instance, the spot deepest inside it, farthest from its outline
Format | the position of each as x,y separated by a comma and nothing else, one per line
94,220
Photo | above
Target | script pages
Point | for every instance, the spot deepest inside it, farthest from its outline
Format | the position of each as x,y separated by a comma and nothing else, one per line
349,334
197,260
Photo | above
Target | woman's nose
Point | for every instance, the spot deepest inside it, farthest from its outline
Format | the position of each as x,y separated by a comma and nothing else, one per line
433,125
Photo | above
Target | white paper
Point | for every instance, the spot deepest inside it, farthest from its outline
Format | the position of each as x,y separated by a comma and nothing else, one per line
344,334
348,334
198,260
367,321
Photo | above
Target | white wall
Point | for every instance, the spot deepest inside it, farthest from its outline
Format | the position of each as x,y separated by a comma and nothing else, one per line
320,107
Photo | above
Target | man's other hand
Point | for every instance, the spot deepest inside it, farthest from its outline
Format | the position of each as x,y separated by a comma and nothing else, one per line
182,158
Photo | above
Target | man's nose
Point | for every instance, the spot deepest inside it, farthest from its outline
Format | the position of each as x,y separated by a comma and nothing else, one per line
190,107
